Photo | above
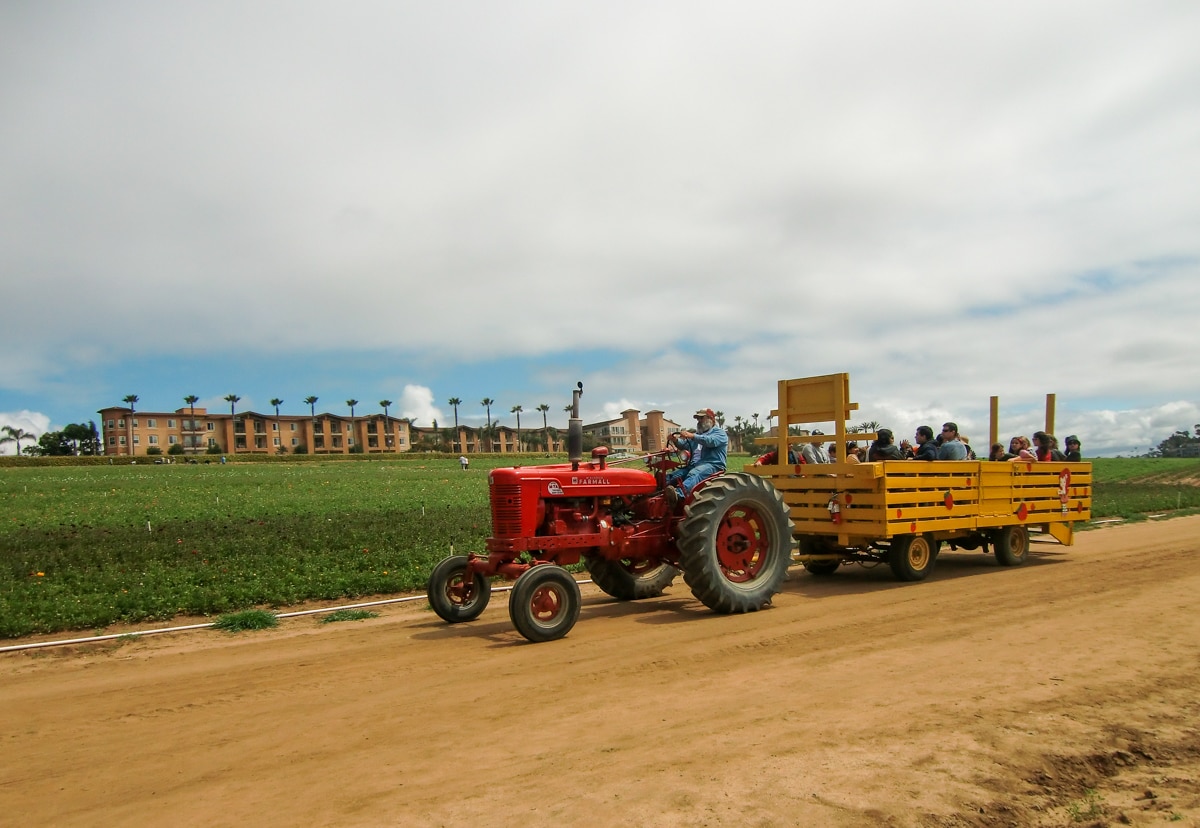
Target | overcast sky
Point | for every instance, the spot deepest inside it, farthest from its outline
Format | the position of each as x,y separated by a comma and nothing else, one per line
677,203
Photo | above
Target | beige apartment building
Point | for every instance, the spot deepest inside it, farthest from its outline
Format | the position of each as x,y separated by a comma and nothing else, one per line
633,433
198,431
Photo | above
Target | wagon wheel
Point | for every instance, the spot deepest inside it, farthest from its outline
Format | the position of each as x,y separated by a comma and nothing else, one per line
810,545
544,603
631,580
452,596
735,543
1012,545
911,557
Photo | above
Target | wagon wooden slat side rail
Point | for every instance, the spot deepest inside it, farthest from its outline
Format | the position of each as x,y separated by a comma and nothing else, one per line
901,511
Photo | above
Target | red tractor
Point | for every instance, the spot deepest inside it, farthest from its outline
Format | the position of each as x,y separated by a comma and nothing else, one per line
731,538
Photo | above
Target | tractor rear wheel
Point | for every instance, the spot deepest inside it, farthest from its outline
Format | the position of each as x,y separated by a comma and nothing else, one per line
631,580
1012,545
451,597
544,603
911,557
735,543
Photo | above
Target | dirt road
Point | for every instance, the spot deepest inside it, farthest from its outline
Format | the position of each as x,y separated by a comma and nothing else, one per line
1060,693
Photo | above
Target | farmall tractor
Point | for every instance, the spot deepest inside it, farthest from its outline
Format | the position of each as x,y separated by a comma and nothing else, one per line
731,539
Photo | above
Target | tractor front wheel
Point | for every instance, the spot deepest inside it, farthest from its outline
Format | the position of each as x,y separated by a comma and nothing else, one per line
735,543
911,557
629,580
544,603
453,597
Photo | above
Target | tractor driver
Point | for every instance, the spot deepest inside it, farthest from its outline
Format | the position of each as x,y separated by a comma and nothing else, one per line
708,444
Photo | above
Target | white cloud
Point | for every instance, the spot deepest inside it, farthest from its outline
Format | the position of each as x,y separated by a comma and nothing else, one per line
947,201
416,403
33,422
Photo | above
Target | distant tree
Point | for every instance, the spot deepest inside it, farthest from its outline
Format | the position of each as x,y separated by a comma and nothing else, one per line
545,425
455,402
191,400
14,434
516,409
387,423
351,404
129,400
312,406
275,401
232,399
869,425
487,403
1180,444
720,418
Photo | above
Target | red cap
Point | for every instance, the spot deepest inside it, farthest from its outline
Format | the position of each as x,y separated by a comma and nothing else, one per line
705,412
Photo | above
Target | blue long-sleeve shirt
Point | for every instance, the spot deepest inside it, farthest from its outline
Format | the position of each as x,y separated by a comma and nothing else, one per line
710,447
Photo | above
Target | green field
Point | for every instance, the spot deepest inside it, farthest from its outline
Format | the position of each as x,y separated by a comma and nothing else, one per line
85,546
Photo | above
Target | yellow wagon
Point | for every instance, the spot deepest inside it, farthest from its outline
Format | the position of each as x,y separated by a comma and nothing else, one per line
901,511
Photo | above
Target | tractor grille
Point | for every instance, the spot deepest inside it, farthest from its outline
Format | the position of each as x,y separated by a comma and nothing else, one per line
506,511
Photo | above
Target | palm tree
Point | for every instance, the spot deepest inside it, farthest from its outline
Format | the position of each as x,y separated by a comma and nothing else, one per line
312,406
721,418
16,435
486,402
130,399
387,424
351,403
755,416
455,402
232,399
545,426
191,400
276,402
869,425
516,409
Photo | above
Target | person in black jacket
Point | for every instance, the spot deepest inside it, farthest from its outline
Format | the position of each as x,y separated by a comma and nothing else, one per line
926,447
884,447
1073,448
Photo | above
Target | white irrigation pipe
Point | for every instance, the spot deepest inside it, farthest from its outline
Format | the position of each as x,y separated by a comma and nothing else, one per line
138,633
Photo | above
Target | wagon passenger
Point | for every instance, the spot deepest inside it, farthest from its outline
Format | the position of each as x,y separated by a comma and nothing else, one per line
1073,447
951,448
708,444
926,447
884,447
1046,450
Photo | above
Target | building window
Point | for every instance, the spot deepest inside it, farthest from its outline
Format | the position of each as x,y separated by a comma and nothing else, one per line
153,439
171,439
110,423
137,441
122,439
212,442
275,441
121,423
295,441
170,423
149,423
112,441
210,427
275,427
293,429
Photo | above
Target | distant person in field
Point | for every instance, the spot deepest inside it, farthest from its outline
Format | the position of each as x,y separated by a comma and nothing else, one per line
884,447
707,444
951,448
1073,449
927,448
463,461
